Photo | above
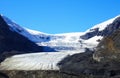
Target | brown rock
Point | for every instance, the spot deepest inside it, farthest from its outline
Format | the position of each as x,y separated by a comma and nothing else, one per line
109,48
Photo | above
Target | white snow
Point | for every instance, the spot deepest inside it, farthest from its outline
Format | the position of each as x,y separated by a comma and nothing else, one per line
94,40
34,32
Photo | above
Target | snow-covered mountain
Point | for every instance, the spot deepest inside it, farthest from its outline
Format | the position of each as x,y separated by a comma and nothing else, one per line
67,44
60,42
66,41
102,29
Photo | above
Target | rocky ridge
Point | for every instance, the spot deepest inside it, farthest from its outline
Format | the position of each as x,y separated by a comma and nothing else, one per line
104,62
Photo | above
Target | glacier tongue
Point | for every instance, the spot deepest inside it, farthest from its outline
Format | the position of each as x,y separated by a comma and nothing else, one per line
35,61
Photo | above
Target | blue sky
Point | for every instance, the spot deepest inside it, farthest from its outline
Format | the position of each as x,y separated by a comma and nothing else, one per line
59,16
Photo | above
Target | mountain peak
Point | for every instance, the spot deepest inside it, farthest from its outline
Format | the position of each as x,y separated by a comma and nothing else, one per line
101,29
103,25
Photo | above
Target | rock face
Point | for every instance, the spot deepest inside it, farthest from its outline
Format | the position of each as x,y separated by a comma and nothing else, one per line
109,48
12,43
84,64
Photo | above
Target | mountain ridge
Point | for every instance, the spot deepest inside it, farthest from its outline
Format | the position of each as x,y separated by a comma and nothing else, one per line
103,62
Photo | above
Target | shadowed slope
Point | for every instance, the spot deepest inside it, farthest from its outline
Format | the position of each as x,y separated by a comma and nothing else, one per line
12,43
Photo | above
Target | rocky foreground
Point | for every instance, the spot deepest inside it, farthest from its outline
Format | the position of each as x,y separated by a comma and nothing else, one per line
43,74
34,74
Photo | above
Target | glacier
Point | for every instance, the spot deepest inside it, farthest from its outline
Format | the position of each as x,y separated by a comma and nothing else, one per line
66,44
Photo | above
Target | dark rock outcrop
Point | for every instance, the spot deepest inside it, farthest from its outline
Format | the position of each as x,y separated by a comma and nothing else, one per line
84,64
3,75
109,48
77,64
92,33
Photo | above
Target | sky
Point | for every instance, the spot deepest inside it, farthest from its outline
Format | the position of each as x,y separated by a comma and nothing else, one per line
59,16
